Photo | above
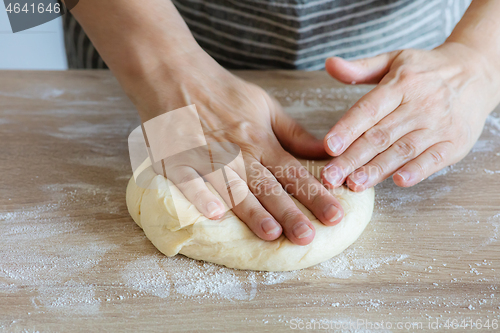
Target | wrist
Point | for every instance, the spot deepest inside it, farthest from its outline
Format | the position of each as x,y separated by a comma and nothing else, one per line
484,57
165,83
476,65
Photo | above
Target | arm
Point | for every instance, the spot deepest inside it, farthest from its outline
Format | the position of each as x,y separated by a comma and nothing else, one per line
427,110
161,67
479,30
138,39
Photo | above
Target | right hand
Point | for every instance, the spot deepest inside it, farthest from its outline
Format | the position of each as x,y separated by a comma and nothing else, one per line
233,110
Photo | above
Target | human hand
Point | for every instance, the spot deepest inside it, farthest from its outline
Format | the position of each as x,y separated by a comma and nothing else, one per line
235,111
426,112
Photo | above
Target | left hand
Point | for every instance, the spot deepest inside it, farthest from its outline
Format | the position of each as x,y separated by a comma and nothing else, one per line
426,113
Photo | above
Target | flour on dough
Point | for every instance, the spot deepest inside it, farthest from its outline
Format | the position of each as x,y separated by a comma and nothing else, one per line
229,241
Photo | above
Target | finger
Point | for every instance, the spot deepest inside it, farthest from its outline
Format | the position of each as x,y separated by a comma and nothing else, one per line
294,138
296,226
249,210
368,70
373,142
432,160
189,182
364,114
257,218
385,164
297,181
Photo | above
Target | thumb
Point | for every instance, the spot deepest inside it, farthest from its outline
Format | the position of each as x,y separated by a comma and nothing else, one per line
367,70
294,138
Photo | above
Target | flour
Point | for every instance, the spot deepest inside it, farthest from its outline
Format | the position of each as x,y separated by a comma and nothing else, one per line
209,280
441,172
271,278
4,121
42,260
484,146
83,129
38,92
351,262
493,124
77,298
145,275
161,276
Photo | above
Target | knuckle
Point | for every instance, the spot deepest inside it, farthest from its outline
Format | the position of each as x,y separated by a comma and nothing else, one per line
198,196
438,156
368,108
351,130
235,185
408,54
376,168
289,168
264,186
379,138
184,177
289,214
363,63
351,164
406,149
254,213
406,74
420,168
316,199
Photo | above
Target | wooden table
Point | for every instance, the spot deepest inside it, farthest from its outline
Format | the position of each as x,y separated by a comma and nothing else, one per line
71,258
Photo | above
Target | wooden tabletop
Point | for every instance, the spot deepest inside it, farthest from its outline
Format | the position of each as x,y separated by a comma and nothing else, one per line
71,258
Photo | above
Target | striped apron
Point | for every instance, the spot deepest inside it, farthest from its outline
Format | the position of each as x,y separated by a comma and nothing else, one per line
297,34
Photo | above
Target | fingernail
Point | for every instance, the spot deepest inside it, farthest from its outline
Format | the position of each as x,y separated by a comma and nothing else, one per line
213,209
332,213
359,178
334,175
269,226
405,175
301,230
335,143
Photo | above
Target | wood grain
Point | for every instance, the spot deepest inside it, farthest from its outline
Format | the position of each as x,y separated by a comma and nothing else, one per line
71,258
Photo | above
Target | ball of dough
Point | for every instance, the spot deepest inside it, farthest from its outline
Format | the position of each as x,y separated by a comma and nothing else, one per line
229,241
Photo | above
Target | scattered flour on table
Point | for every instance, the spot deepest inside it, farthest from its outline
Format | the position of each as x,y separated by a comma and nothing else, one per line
39,255
484,146
194,279
76,298
441,172
350,262
493,124
160,276
146,275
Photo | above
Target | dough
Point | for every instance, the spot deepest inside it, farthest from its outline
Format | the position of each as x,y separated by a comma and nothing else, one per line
229,241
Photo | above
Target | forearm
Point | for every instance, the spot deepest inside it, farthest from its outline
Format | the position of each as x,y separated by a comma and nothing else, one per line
479,29
128,34
149,49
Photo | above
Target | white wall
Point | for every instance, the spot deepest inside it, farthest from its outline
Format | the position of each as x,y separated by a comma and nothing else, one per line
40,47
